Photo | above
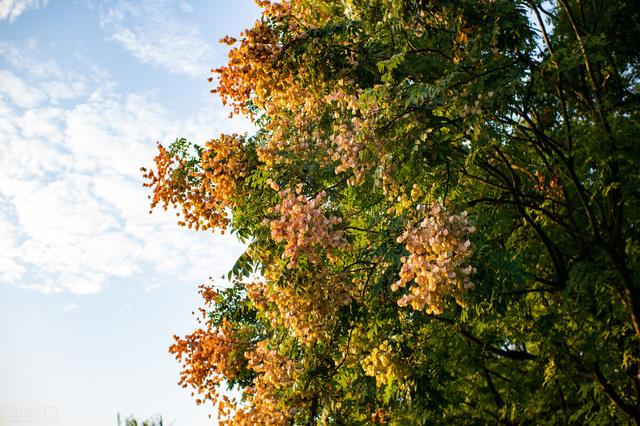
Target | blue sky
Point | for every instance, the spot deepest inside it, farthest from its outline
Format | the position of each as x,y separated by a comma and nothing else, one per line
92,287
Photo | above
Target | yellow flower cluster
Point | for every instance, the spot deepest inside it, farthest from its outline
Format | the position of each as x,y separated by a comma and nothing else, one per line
439,249
383,364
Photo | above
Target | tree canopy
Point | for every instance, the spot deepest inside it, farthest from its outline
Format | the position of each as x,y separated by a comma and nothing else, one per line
441,207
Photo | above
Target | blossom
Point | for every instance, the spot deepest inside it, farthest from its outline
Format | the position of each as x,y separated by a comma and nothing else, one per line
303,226
439,249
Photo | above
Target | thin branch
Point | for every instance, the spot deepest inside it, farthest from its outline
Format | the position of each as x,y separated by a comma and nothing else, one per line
627,409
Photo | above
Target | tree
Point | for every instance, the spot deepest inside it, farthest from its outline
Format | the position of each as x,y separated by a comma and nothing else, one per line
441,211
155,420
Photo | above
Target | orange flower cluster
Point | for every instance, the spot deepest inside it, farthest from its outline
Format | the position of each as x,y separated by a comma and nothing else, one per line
204,193
210,355
224,165
255,76
344,143
308,310
264,405
295,132
252,73
247,72
439,249
304,227
168,186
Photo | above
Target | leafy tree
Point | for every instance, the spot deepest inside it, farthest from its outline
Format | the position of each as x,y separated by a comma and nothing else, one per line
155,420
441,206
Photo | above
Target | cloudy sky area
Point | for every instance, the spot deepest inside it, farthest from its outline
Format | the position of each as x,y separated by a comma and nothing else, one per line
92,287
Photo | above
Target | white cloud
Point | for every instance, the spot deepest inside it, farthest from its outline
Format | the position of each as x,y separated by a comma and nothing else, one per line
10,270
11,9
152,32
73,212
63,91
38,78
25,57
18,91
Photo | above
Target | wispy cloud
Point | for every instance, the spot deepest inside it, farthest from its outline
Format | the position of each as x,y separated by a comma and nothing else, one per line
57,83
18,91
11,9
73,212
25,57
152,31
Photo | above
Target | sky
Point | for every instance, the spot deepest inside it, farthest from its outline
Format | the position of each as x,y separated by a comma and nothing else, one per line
92,287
